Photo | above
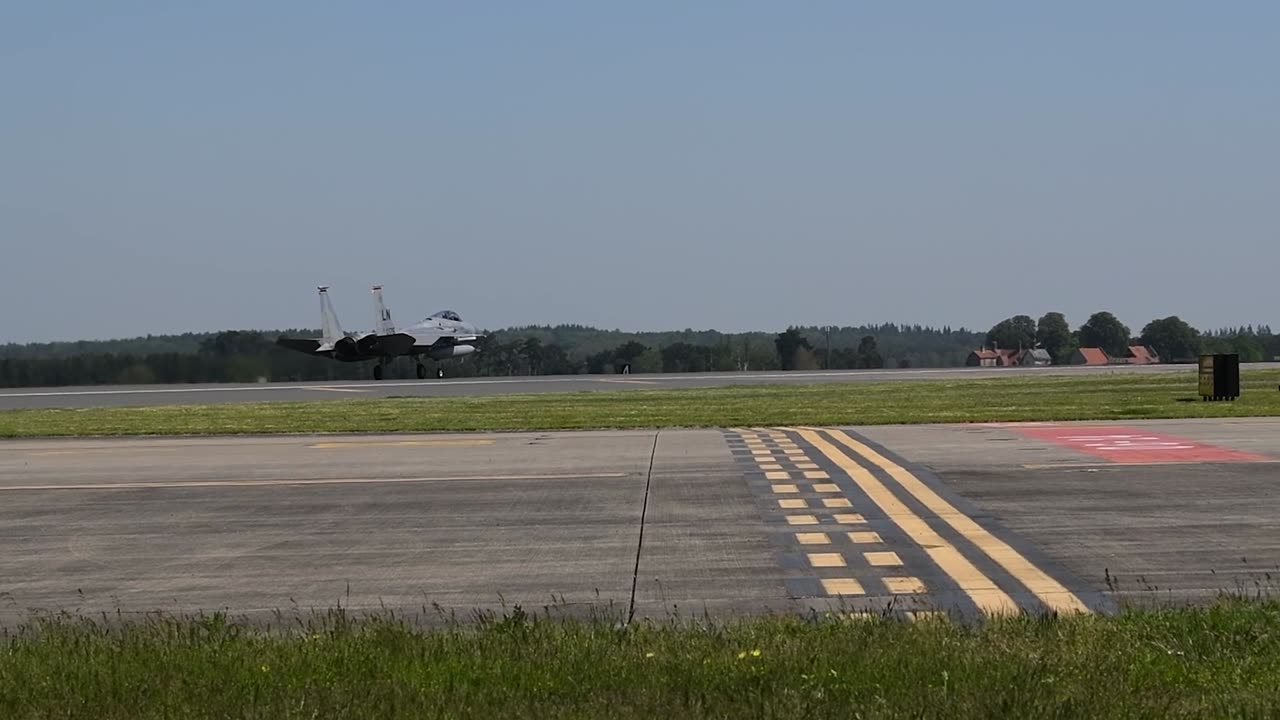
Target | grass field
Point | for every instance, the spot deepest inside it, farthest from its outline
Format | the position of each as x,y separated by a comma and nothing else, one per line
1219,661
1102,397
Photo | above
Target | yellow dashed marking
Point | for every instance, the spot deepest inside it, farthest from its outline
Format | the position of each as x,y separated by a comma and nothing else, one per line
842,586
771,461
827,560
802,520
1050,591
883,559
904,585
985,594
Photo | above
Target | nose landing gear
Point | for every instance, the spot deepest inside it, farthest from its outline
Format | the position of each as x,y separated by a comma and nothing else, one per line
422,371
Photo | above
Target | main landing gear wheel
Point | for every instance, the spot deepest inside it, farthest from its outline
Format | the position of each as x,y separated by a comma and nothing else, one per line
440,373
377,372
422,371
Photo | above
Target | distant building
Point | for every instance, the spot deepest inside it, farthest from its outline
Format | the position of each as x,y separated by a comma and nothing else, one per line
1035,357
983,358
1141,355
1007,358
1090,356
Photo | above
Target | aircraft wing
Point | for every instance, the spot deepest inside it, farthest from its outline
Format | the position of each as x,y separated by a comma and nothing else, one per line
387,345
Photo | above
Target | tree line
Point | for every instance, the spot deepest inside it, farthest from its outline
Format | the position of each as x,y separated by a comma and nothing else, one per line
1173,339
253,356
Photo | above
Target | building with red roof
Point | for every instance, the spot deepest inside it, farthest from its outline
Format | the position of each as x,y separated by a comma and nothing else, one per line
983,358
1090,356
1007,358
1141,355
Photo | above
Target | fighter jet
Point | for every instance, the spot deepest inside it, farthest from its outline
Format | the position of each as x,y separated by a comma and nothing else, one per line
441,336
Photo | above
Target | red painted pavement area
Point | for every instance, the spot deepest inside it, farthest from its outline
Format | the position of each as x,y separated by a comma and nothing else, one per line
1133,445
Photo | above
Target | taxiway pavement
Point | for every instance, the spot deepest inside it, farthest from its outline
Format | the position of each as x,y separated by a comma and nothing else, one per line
970,519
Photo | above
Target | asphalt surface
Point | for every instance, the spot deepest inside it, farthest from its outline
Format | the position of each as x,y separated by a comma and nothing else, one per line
972,520
1145,532
121,395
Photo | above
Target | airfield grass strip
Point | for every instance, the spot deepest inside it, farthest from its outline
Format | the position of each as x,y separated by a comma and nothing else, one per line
1216,661
1102,397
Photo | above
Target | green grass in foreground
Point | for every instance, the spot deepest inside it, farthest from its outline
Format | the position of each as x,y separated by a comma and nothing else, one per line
1101,397
1217,661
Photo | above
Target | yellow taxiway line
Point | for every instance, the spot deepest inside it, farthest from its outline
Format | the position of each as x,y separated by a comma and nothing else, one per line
985,594
457,442
300,481
1054,595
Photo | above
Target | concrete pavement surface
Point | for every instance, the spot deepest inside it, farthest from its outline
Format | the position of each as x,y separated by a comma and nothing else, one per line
974,520
1146,531
122,395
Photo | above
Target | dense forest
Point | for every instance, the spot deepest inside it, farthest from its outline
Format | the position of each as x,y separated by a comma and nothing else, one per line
253,356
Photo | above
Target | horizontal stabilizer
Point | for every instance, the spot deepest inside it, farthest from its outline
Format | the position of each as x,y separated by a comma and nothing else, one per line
306,345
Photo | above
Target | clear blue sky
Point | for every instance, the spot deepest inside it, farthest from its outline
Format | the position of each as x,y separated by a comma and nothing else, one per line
739,165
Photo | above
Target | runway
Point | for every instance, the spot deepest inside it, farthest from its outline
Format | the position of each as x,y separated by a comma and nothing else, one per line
141,395
977,520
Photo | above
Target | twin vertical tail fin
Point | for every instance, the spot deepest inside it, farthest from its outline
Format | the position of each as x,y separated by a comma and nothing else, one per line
332,329
385,326
328,318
